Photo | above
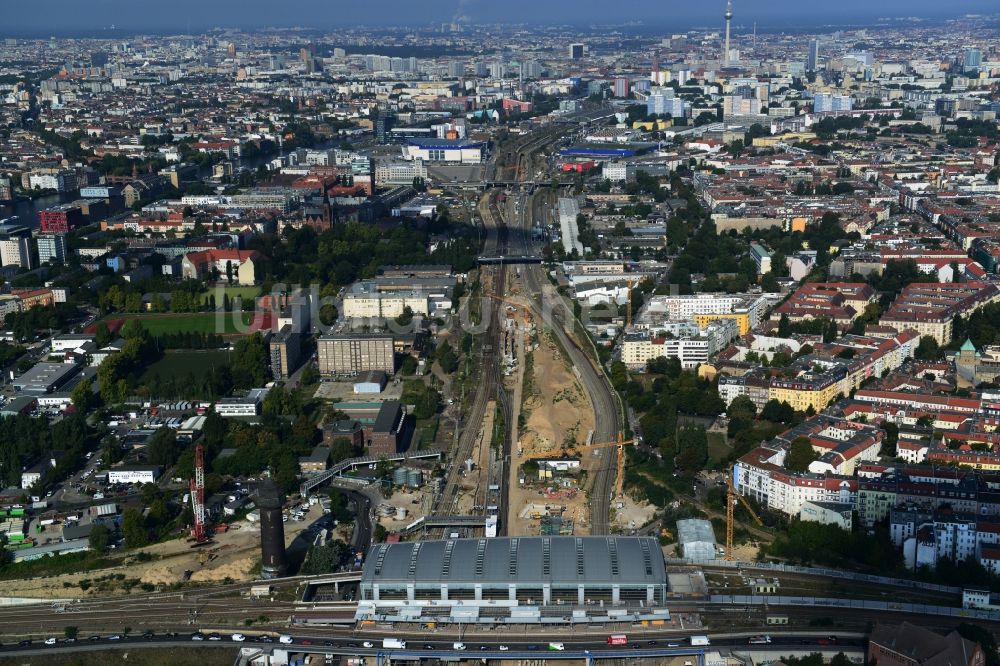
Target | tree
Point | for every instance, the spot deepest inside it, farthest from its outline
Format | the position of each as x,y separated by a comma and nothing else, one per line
102,336
100,537
71,632
162,448
229,271
134,529
800,455
249,362
928,349
778,412
784,326
406,317
324,559
447,358
81,396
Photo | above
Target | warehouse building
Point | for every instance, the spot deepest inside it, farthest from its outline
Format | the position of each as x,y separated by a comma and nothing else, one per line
547,579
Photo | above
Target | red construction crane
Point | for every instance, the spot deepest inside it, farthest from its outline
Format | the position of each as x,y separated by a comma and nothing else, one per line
198,496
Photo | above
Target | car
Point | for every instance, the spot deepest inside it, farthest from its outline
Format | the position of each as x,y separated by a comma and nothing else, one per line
484,648
504,648
532,646
148,634
94,638
368,644
114,637
265,639
832,639
428,646
650,642
673,644
214,637
328,643
306,641
50,641
25,643
171,634
69,640
197,637
238,638
635,646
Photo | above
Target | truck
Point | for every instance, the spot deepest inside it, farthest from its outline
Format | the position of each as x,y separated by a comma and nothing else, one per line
700,640
558,647
759,640
393,644
458,646
617,639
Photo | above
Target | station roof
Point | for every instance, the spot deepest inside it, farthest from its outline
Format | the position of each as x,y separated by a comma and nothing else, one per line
558,560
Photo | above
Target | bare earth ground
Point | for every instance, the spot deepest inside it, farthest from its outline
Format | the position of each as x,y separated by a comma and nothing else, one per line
556,411
175,656
233,554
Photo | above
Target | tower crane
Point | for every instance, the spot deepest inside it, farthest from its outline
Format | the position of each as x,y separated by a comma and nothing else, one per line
731,498
620,444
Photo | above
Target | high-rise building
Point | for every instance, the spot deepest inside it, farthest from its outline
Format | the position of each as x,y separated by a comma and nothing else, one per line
576,51
622,86
285,347
812,58
662,101
482,69
383,126
15,247
497,70
826,102
51,248
456,69
973,59
6,189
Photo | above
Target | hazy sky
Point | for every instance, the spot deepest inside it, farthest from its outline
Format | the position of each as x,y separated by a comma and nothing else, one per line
62,16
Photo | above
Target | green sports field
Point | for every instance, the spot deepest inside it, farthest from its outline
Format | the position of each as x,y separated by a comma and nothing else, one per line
196,322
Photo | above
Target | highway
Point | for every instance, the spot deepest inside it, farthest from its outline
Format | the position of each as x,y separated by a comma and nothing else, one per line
420,646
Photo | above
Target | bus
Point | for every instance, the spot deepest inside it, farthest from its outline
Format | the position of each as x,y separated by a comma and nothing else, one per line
617,639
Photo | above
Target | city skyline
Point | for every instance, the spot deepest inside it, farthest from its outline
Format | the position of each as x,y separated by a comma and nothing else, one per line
187,14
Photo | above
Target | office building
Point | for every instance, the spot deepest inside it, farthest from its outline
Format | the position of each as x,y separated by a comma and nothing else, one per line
383,125
15,247
6,189
972,60
352,354
51,248
62,218
812,58
576,51
495,580
761,258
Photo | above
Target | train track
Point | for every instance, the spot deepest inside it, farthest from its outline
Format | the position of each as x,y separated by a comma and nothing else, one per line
555,315
489,386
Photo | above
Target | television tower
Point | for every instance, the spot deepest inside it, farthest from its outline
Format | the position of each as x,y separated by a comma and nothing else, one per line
729,18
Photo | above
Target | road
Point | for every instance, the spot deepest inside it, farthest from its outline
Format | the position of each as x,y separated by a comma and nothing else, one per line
419,646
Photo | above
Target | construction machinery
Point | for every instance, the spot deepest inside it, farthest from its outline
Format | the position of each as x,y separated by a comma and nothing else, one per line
574,450
731,498
199,533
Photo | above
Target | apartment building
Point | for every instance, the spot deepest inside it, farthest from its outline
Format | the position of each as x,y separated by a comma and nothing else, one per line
930,307
683,340
747,310
285,349
352,354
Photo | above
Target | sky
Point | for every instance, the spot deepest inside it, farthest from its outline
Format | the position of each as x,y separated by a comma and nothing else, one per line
69,16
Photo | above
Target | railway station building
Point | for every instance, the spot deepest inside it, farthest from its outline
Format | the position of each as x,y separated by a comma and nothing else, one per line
519,580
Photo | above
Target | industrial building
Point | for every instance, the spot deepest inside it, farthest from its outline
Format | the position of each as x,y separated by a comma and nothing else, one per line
547,579
353,354
697,539
45,378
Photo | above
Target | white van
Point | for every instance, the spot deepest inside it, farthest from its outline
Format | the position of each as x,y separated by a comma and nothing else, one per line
285,639
458,646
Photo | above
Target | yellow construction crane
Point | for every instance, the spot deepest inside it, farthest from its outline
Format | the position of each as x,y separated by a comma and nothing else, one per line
574,449
731,498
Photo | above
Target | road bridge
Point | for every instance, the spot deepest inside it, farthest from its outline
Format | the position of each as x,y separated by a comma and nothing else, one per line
508,260
353,463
